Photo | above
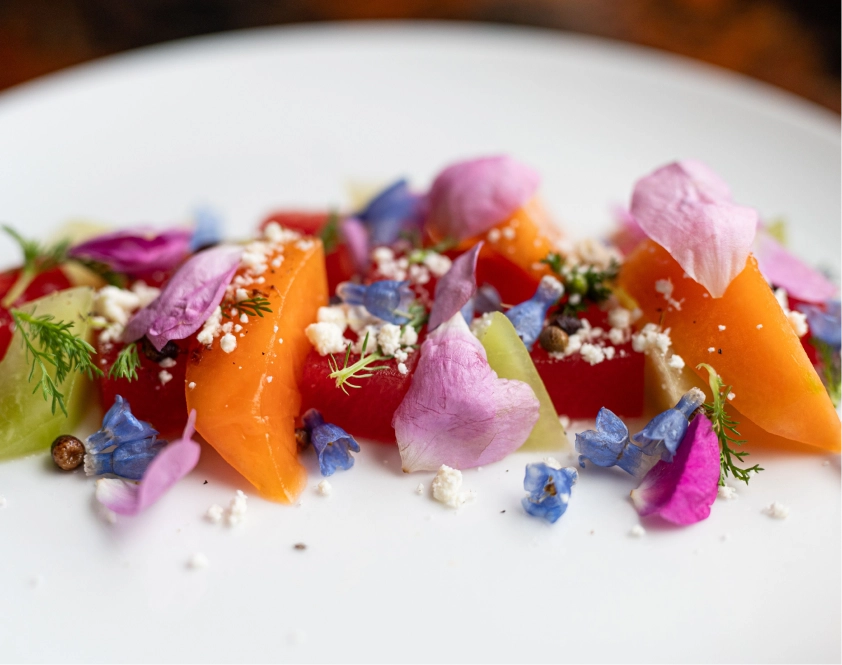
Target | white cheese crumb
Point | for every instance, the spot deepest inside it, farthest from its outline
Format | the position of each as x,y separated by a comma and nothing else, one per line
244,318
509,233
275,328
326,338
334,314
164,377
325,488
228,326
167,363
402,368
446,485
726,492
592,354
419,274
732,395
198,561
409,336
228,343
280,340
665,288
759,326
480,324
240,295
798,321
637,531
214,513
619,317
711,349
565,421
721,327
651,338
212,328
493,235
777,510
436,263
382,255
401,355
237,508
277,261
389,338
420,488
268,379
238,328
676,361
191,385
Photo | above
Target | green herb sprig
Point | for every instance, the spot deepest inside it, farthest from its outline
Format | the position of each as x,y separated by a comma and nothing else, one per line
726,431
362,369
254,306
126,364
50,342
37,258
329,234
584,285
830,369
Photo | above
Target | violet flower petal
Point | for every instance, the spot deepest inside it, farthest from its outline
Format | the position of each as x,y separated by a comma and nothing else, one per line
682,491
468,198
784,269
455,288
188,298
687,209
207,231
354,236
825,324
457,411
170,465
136,251
391,211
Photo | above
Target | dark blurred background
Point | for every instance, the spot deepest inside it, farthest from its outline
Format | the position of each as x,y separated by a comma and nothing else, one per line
793,44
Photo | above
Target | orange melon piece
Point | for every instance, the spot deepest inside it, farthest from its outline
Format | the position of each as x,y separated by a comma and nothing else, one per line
247,401
745,336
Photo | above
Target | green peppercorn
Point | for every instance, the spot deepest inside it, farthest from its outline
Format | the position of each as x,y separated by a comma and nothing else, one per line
553,339
68,452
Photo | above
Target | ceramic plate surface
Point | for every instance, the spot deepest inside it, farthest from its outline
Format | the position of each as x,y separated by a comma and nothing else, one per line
260,120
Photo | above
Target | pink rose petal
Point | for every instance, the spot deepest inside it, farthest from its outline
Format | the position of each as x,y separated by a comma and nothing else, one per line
628,234
188,298
455,288
137,251
174,462
470,197
687,209
784,269
682,491
457,411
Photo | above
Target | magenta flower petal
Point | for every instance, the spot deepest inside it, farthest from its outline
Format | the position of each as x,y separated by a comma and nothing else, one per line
170,465
138,250
455,288
355,237
188,299
687,209
470,197
784,269
457,411
682,491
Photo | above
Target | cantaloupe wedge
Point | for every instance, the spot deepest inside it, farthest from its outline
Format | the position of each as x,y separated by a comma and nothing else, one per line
526,238
247,400
745,336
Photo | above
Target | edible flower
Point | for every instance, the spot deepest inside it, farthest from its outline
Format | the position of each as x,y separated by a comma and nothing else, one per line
783,269
355,237
663,434
136,251
687,208
188,298
174,462
391,212
119,427
333,445
455,289
208,230
528,317
609,445
457,411
683,491
387,299
549,490
825,324
470,197
628,233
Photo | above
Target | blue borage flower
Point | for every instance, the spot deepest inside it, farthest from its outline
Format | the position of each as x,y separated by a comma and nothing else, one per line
333,445
394,210
663,434
207,231
528,317
610,445
825,325
124,446
387,299
549,490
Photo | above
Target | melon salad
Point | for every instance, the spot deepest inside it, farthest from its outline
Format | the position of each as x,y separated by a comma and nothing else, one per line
461,324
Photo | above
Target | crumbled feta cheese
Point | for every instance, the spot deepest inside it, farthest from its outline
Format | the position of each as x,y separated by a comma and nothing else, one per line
493,235
198,561
759,326
575,298
402,368
676,361
592,354
145,294
480,324
409,336
167,363
389,338
164,377
371,333
798,321
191,385
228,343
731,395
777,510
305,244
268,379
334,314
420,488
401,355
508,233
565,421
115,304
721,327
711,349
325,488
214,513
726,492
244,318
619,317
665,288
436,263
326,338
240,295
651,338
637,531
212,328
238,328
227,327
616,336
237,508
382,255
446,486
359,318
609,352
277,261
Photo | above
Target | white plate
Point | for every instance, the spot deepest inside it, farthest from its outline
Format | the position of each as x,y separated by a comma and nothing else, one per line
252,121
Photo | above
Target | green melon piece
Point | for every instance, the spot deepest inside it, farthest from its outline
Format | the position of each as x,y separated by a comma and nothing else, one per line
27,423
509,358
